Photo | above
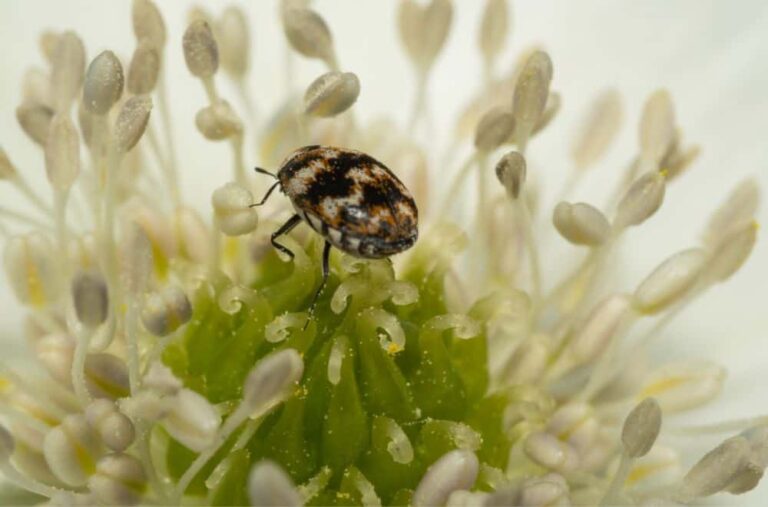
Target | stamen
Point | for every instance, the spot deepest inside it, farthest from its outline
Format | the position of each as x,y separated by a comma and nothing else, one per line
309,35
455,470
232,206
268,484
7,446
494,28
331,94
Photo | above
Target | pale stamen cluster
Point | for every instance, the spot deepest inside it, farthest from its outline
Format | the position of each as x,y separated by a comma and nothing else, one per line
111,298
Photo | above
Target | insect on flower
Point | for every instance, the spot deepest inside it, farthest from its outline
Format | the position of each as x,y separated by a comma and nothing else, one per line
354,201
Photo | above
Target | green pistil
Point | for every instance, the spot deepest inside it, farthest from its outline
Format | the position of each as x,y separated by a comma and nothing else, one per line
426,389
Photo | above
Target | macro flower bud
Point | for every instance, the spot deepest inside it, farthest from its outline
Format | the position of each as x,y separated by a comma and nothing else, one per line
192,420
218,121
494,129
331,94
271,380
70,449
641,201
717,469
511,171
200,50
67,69
34,119
670,281
657,126
148,24
114,428
493,28
144,69
132,122
270,486
308,34
120,479
234,41
91,299
7,169
32,269
550,452
166,310
232,206
62,153
581,223
684,385
599,328
598,131
641,427
103,84
455,470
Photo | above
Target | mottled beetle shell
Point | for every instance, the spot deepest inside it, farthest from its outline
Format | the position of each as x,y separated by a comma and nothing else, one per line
350,198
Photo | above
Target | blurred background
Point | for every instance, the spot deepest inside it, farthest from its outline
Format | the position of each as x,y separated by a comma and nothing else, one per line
710,54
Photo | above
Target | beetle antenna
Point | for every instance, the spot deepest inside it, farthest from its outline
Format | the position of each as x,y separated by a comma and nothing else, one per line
266,196
264,171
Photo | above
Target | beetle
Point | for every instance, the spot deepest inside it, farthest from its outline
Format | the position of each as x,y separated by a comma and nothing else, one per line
354,201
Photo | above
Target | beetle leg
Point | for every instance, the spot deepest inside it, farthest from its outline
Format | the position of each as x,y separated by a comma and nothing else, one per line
266,196
285,229
326,272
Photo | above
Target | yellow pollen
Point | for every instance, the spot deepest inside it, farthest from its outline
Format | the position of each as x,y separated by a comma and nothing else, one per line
567,432
36,294
639,473
661,386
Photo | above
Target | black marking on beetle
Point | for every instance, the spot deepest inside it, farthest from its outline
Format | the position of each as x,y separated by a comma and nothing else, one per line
328,184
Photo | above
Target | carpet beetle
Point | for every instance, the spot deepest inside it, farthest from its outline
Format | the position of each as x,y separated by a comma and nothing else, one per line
354,201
